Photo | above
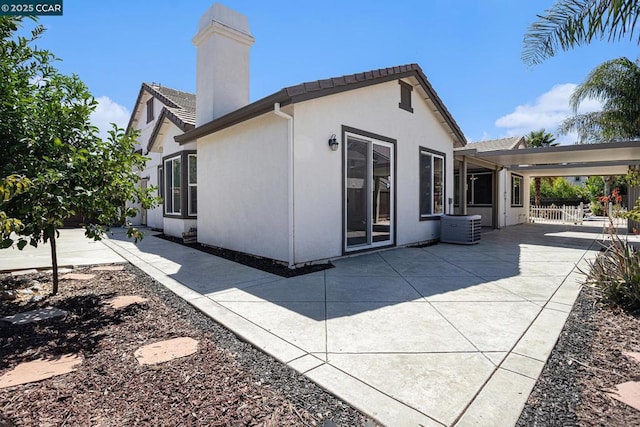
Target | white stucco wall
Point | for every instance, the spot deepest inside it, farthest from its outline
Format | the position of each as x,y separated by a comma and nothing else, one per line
147,128
154,216
318,170
486,212
149,171
516,215
169,145
242,188
164,146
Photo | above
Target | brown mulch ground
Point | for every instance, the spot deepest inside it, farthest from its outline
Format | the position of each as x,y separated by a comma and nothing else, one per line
227,382
585,365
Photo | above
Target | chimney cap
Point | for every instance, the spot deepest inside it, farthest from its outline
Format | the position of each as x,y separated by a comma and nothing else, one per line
221,19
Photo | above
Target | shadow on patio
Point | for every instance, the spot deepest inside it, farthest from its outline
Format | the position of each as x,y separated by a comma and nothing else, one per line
529,252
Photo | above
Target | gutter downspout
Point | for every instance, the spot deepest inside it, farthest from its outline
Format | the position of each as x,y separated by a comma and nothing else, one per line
463,186
507,186
290,194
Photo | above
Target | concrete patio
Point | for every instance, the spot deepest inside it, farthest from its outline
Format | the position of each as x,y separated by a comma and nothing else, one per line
441,335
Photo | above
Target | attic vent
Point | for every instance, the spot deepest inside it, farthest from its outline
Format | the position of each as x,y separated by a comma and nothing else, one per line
405,96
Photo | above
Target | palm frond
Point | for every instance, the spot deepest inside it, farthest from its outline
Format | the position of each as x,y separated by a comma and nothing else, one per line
616,83
540,138
571,23
588,127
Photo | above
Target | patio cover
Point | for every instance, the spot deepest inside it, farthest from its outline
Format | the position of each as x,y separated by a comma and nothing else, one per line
612,158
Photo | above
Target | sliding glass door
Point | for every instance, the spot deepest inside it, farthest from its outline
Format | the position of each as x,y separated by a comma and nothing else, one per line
369,193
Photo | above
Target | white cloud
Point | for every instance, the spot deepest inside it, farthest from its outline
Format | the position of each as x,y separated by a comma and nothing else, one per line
547,112
108,112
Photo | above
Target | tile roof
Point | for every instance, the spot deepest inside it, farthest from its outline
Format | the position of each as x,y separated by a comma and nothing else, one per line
496,144
182,104
319,88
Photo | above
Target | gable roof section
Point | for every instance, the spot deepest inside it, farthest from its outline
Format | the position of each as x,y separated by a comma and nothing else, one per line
181,106
177,116
320,88
497,144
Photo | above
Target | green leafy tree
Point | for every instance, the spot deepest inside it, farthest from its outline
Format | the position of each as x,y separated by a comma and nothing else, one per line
536,139
9,187
616,84
46,137
571,23
560,188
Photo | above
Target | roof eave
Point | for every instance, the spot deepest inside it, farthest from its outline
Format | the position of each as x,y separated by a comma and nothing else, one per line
240,115
289,95
169,115
424,82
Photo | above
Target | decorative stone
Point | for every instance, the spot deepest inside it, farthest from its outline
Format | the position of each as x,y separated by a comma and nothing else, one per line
26,291
35,316
125,301
36,286
108,268
8,295
62,270
632,355
37,298
23,272
164,351
628,393
39,370
78,276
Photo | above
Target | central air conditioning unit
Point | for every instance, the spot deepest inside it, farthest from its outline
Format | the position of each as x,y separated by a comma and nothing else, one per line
461,229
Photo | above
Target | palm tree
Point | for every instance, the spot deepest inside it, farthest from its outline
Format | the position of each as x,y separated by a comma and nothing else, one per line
571,23
539,138
616,84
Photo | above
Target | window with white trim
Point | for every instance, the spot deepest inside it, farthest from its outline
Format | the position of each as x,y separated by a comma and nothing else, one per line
160,181
173,186
192,183
516,190
480,189
431,183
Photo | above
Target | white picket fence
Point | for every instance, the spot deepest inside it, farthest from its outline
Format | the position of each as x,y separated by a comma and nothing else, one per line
572,215
557,214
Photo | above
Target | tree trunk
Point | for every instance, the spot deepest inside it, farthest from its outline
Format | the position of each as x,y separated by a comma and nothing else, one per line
54,262
608,180
537,191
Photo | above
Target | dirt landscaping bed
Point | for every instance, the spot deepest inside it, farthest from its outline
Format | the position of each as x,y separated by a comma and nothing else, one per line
226,382
586,364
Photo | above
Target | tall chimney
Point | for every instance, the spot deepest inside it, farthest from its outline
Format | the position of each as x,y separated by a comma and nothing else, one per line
222,65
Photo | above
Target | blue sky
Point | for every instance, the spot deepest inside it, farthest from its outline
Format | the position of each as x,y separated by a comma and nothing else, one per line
470,51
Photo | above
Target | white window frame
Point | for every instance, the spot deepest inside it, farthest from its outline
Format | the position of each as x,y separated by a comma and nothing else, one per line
471,182
432,212
517,188
192,212
170,187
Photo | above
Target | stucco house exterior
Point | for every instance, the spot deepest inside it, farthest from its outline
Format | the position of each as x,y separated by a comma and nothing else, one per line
327,168
496,192
317,170
159,114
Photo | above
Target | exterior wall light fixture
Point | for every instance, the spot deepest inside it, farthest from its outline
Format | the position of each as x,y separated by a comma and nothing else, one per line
333,143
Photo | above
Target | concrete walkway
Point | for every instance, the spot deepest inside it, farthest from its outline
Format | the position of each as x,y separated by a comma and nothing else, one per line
442,335
73,249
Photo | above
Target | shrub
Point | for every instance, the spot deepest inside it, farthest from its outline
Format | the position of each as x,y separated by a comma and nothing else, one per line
616,272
